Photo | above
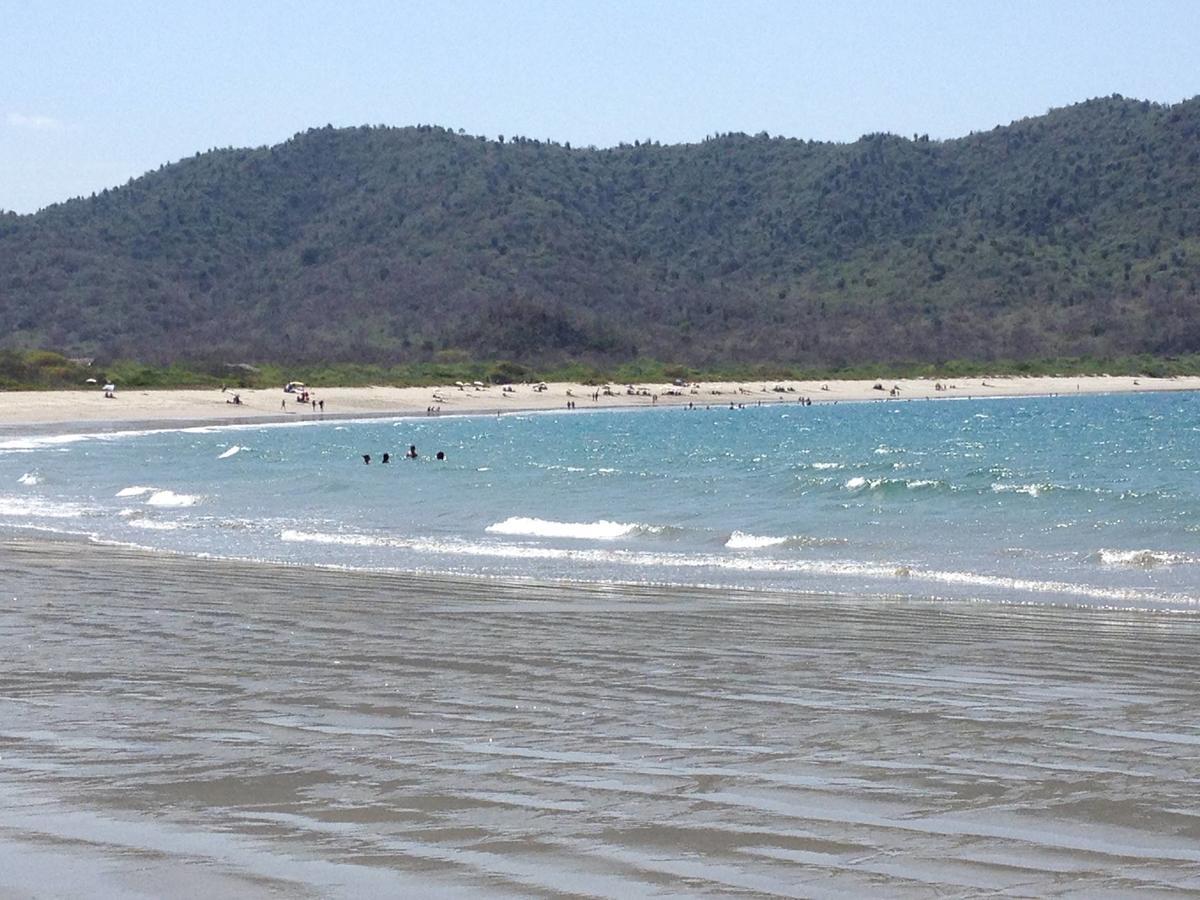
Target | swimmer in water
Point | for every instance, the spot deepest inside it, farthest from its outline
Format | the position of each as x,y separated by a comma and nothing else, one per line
387,458
412,451
366,459
441,455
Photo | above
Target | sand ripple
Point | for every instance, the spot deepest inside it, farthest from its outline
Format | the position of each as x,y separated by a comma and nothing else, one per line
233,730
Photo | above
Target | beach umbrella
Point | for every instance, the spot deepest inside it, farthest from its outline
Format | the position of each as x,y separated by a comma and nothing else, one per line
458,384
89,381
478,384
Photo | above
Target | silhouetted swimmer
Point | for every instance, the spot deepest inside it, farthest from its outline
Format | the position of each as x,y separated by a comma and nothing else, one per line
387,457
412,451
441,455
366,459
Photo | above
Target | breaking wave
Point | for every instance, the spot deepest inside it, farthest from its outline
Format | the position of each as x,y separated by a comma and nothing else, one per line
1142,558
666,562
601,530
159,496
170,498
740,540
859,483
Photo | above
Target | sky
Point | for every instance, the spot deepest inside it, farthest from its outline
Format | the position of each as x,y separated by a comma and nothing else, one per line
95,92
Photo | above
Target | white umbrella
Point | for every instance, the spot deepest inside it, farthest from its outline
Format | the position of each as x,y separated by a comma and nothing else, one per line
89,381
478,384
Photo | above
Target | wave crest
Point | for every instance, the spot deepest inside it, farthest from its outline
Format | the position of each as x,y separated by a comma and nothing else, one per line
858,483
170,498
740,540
1033,490
1142,558
601,530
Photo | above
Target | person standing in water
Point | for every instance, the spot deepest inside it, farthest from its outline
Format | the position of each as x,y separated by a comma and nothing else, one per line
412,452
366,459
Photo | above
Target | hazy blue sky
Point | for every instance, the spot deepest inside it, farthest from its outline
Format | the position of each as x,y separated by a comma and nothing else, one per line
97,91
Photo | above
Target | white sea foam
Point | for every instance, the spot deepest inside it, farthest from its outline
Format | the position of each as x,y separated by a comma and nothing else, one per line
741,540
1033,490
858,483
170,498
913,484
827,465
30,478
154,524
230,452
672,560
159,496
45,509
295,536
601,530
40,443
1142,558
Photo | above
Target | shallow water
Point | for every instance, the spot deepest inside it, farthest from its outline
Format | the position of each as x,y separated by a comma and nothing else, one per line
1071,500
175,726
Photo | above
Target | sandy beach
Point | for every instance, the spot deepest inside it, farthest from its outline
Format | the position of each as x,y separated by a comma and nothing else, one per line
196,727
268,405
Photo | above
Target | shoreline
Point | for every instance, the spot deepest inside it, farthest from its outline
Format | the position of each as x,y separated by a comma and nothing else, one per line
259,733
195,407
37,543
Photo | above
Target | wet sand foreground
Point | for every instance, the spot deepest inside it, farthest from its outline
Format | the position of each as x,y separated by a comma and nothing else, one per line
176,727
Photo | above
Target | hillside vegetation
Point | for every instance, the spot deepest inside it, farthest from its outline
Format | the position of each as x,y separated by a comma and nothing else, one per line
1072,234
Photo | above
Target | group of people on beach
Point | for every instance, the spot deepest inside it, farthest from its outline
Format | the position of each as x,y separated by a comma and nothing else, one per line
411,454
316,404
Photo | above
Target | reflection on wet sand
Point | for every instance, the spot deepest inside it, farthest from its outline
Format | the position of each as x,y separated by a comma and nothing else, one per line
237,730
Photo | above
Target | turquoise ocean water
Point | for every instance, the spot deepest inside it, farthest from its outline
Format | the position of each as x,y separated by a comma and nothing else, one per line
1068,500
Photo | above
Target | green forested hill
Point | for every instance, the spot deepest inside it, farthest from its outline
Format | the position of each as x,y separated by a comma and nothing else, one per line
1074,233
